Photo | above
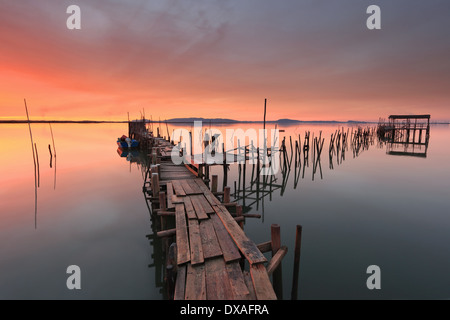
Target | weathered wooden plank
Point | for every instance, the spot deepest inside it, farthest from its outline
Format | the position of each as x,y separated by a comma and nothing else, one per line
245,245
166,233
229,249
276,260
195,188
177,200
249,284
180,283
261,282
196,282
186,187
174,178
189,208
195,242
265,246
205,204
237,282
207,193
199,209
169,187
217,283
183,251
178,189
210,244
172,169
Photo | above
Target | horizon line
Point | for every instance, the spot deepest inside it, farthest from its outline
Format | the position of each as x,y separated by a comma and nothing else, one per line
192,119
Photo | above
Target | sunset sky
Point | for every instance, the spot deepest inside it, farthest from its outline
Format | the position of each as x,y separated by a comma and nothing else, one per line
312,59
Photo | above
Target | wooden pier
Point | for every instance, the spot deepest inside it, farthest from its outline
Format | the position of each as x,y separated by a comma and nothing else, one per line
212,257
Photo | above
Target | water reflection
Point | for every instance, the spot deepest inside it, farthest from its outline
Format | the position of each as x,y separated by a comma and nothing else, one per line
296,155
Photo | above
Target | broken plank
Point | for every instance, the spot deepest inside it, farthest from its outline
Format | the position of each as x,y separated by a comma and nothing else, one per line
210,244
195,242
217,283
245,245
229,249
183,251
237,282
261,282
196,278
199,209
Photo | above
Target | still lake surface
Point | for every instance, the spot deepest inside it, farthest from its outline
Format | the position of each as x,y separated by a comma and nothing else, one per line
371,209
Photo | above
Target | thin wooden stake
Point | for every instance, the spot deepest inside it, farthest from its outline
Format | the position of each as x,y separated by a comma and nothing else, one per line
34,162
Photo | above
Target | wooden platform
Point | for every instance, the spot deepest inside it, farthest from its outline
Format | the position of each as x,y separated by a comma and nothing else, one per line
210,246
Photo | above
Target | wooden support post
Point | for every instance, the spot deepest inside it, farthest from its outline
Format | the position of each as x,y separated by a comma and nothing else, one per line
162,201
162,207
239,214
155,185
298,244
226,195
277,274
275,238
200,170
214,183
190,142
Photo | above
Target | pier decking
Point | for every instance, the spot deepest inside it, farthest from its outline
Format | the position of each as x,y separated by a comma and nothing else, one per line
214,259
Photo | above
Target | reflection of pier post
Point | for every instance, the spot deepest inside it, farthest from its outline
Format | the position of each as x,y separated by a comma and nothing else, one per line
277,274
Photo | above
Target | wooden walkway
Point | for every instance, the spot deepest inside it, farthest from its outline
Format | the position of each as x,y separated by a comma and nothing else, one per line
211,247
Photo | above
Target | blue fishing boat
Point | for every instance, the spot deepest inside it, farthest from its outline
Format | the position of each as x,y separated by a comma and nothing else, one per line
126,143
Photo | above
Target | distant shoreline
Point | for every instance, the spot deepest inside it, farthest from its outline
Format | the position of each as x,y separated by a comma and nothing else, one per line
60,121
180,121
212,121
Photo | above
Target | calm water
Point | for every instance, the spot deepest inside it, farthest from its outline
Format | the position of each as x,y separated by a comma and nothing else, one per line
372,209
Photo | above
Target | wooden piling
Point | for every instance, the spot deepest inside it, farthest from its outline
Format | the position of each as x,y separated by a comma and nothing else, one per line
214,180
298,244
226,195
155,184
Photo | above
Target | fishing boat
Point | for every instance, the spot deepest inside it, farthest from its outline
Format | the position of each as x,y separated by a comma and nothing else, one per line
124,142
